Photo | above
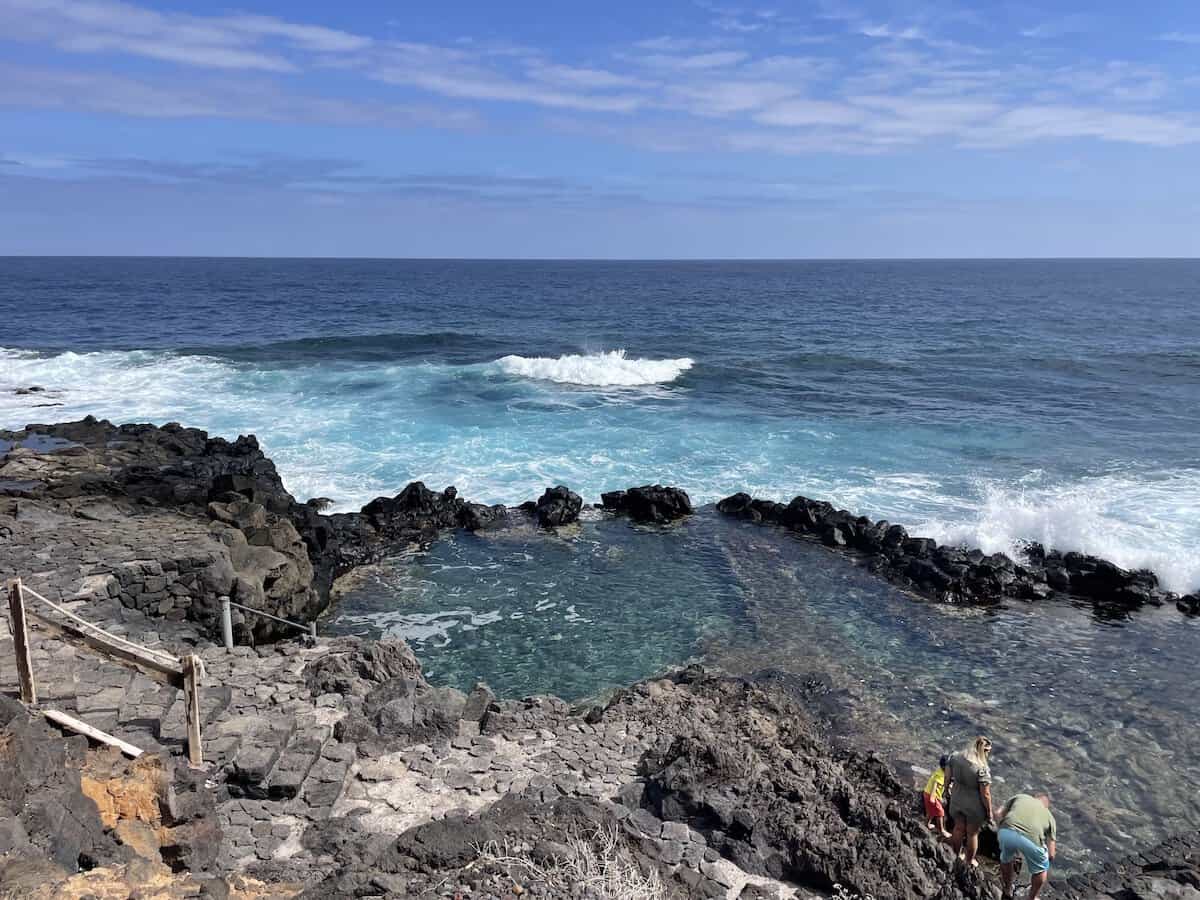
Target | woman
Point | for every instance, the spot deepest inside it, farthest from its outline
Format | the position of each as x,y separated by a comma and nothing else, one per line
970,797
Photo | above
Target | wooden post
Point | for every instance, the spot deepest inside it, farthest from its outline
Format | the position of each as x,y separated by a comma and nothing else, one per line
191,691
20,634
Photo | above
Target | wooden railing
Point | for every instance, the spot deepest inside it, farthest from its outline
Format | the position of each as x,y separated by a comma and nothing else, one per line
183,673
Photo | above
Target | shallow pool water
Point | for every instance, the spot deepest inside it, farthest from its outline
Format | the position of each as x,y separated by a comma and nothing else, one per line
1098,712
592,607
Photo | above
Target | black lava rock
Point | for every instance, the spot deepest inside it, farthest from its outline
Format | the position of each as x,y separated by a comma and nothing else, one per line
558,506
652,503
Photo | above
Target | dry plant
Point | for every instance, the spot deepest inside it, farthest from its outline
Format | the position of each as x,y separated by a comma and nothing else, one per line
597,867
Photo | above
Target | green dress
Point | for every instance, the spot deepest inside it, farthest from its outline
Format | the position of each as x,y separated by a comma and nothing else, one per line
965,803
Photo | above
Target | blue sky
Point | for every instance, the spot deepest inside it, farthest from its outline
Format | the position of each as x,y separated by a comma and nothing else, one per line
623,129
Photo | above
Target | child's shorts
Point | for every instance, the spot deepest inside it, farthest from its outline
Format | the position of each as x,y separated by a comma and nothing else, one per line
933,808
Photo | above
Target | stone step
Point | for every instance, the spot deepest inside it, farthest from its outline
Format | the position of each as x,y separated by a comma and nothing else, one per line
261,743
297,759
325,782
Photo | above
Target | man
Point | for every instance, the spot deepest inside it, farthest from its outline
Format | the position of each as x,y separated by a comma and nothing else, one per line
1027,827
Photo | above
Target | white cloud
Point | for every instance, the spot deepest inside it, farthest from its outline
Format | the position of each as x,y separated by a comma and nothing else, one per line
220,42
801,113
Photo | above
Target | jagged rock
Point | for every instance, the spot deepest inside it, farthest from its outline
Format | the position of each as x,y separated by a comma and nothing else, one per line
651,503
957,574
355,668
557,506
476,516
266,549
410,708
479,701
1169,871
742,769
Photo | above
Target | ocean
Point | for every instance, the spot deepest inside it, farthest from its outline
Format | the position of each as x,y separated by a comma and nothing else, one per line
985,402
977,402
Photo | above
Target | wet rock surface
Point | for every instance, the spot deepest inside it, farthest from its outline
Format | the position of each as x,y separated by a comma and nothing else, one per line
557,506
959,574
651,503
1170,871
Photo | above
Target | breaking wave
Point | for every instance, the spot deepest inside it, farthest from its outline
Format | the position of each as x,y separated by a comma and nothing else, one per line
610,369
1138,522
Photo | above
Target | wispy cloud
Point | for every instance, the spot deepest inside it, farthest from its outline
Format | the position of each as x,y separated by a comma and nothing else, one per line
1060,27
740,82
219,42
46,88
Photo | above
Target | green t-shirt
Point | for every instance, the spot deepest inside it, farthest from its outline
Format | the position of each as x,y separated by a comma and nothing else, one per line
1028,816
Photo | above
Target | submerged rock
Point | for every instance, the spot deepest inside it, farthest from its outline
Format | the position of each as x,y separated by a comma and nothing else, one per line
652,503
1169,871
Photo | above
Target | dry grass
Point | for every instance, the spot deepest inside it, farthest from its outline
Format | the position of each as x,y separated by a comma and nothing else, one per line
598,867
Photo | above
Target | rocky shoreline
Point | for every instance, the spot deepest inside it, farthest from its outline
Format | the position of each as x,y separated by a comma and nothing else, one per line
337,770
962,575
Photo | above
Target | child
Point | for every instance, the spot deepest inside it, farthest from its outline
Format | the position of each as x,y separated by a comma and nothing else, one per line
935,789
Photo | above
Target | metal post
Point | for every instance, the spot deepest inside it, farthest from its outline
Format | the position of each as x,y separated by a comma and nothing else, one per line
227,623
20,634
312,629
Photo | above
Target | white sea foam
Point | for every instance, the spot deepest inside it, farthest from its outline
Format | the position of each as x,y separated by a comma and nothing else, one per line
610,369
329,438
1142,521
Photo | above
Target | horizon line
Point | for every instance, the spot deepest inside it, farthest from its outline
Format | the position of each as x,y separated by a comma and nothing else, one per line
601,259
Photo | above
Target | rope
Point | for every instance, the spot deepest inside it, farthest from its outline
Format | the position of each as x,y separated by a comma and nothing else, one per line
166,657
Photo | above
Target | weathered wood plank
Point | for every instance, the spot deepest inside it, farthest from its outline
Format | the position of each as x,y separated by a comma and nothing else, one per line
66,721
191,690
20,634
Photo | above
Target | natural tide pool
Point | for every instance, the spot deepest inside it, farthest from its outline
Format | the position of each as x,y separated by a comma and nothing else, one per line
1098,712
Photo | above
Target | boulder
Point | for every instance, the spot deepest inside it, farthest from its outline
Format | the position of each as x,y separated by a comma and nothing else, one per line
557,506
651,503
354,668
411,710
738,506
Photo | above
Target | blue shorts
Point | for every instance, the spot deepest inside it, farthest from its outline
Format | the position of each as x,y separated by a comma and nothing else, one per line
1013,842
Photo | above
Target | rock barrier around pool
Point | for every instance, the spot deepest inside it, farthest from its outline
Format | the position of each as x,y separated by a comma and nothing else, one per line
957,574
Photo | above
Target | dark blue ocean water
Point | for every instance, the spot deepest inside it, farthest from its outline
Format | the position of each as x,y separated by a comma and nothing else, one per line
980,401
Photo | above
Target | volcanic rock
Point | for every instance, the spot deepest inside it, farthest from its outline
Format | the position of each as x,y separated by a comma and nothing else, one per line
652,503
557,506
957,574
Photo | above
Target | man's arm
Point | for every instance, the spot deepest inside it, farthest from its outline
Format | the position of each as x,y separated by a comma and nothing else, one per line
1051,848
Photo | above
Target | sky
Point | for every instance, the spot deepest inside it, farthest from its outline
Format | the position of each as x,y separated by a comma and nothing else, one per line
673,129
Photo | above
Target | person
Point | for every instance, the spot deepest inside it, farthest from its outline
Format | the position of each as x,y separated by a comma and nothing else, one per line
935,790
970,798
1027,828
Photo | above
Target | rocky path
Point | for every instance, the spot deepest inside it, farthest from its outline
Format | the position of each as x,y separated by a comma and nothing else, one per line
277,766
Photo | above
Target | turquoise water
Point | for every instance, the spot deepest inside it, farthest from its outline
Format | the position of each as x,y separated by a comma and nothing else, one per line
1096,711
593,607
